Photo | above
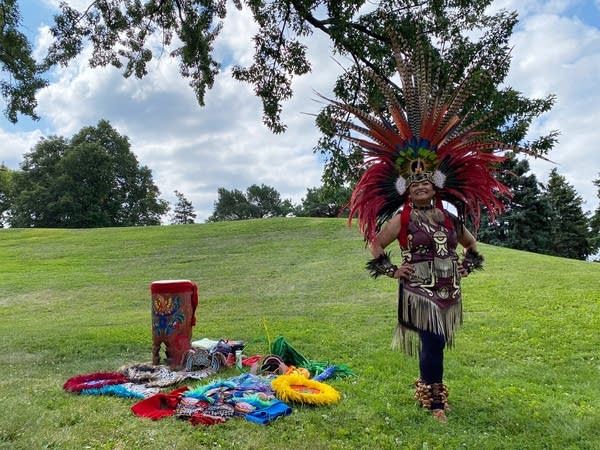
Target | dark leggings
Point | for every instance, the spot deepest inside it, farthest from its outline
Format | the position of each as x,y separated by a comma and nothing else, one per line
431,357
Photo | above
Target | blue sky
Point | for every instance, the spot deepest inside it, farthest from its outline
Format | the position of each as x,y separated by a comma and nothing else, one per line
556,49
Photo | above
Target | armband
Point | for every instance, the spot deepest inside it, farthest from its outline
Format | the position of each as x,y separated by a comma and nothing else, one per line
382,265
473,261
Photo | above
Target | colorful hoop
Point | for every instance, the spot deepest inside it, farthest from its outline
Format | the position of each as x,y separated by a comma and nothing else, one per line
296,388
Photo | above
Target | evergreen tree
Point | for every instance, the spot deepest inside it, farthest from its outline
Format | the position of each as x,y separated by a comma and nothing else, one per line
595,222
525,224
570,235
183,213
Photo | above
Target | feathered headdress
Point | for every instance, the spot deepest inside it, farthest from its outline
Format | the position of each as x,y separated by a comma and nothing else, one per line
427,139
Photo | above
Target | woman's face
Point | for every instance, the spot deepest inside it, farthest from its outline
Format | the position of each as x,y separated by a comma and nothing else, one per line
421,192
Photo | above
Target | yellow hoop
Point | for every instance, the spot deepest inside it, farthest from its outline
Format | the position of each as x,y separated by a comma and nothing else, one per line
296,388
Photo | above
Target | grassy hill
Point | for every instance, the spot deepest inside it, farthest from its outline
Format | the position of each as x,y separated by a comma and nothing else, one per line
524,372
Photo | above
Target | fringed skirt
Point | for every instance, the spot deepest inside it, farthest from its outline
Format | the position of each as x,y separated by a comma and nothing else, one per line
429,301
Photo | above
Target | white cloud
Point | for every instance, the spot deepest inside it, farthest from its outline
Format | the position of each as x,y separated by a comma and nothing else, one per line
15,144
42,42
561,55
80,5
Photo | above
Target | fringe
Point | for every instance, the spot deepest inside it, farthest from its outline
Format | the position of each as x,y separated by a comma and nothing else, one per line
422,270
444,268
441,268
406,341
426,316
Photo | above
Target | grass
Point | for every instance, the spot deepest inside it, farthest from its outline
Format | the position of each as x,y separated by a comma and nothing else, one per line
523,375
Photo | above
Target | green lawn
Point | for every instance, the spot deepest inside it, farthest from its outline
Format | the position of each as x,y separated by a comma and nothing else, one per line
525,372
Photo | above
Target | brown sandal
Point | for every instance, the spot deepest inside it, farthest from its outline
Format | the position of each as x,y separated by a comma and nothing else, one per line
439,415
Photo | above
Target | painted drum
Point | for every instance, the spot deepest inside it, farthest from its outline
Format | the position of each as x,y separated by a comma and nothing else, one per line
174,305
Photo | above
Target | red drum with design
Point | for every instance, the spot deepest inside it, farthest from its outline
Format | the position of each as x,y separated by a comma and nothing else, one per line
174,305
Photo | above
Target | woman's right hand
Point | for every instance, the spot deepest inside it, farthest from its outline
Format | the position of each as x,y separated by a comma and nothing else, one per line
404,271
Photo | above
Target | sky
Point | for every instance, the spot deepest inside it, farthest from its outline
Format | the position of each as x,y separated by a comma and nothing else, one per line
196,150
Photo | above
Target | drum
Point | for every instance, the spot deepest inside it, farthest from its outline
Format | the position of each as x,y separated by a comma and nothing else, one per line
174,305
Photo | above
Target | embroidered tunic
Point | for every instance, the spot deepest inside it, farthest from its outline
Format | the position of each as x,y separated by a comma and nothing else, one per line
430,300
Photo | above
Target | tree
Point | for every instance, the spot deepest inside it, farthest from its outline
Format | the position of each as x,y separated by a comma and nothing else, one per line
92,180
265,201
525,224
595,222
121,33
258,202
230,205
183,213
5,188
21,77
570,234
325,201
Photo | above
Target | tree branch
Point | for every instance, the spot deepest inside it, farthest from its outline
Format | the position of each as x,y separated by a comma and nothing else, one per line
323,26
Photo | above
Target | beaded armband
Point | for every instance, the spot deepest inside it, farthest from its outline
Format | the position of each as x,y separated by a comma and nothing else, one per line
473,261
382,265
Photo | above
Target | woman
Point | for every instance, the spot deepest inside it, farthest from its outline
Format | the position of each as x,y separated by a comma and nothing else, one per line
429,283
425,148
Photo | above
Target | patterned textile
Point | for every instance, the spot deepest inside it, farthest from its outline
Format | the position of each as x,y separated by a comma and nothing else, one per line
247,395
161,376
